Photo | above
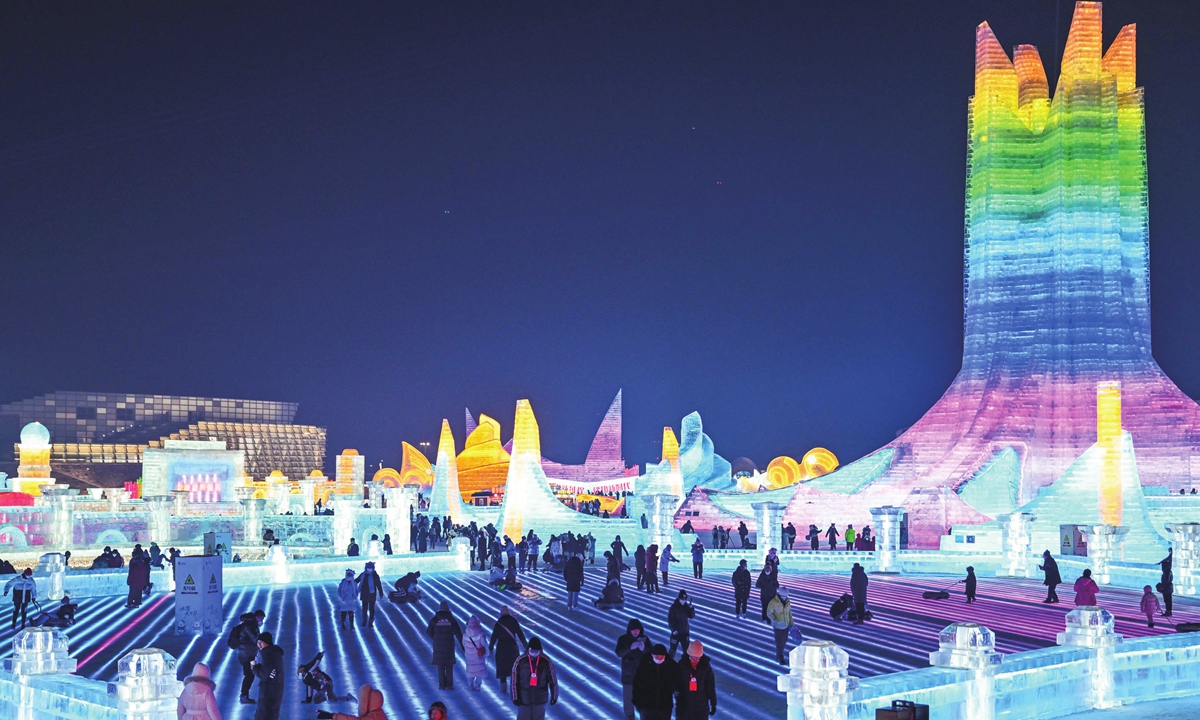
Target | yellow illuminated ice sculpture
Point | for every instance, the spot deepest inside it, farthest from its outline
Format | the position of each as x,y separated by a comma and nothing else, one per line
483,463
528,500
415,468
1108,438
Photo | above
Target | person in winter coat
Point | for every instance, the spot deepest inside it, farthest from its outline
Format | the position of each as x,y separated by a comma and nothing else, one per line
612,567
639,563
813,537
508,642
652,569
697,685
370,707
268,666
387,544
773,558
1149,605
698,559
849,537
247,649
1053,578
534,683
679,618
352,549
138,578
573,576
832,536
779,613
741,589
768,585
1086,589
972,584
24,590
654,684
475,647
370,587
664,563
1166,585
198,701
445,631
743,533
630,648
858,591
347,593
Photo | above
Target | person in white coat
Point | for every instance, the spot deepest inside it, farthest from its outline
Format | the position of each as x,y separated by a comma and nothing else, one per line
664,562
347,599
198,701
475,647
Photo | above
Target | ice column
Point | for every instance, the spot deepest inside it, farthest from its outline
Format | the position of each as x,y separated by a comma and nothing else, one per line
461,547
146,688
277,556
770,534
1106,543
886,523
1091,627
180,499
308,497
39,651
818,686
252,515
1016,541
160,517
396,516
345,513
115,498
971,647
61,501
50,572
660,515
1185,541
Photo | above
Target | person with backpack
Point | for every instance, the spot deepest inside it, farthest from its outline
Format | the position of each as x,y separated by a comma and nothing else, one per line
508,642
244,638
534,683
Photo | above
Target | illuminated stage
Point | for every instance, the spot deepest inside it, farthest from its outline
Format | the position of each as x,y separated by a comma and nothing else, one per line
395,656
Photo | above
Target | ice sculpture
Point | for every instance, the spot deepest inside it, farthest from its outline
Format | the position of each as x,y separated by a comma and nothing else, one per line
415,468
444,498
483,463
604,460
1056,300
528,500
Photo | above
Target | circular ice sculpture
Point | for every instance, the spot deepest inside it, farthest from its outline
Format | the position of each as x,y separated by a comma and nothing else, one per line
35,435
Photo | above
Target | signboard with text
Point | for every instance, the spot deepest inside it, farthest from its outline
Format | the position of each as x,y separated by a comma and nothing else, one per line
198,595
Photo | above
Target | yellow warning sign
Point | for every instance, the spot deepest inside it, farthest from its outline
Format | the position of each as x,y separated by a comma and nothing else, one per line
189,581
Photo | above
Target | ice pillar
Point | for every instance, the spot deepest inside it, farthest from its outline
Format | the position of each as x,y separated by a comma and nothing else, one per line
770,534
61,501
252,515
50,573
1016,543
146,688
38,651
1185,542
180,499
1108,437
160,517
971,647
1092,627
886,523
375,494
345,513
1105,544
308,488
115,498
399,506
660,516
818,685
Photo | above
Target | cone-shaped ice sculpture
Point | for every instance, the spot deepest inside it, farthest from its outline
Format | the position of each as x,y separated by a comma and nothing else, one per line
445,499
529,503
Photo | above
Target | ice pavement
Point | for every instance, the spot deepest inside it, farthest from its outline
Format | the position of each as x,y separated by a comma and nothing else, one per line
395,655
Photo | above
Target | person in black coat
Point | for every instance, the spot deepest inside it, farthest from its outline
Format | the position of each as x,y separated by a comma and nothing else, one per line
268,666
679,618
639,562
387,544
768,586
508,642
1053,578
630,648
858,591
352,549
697,685
370,587
972,583
741,589
1166,585
654,684
247,649
534,682
444,630
573,576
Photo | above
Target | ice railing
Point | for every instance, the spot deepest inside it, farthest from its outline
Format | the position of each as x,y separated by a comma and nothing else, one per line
1092,668
37,682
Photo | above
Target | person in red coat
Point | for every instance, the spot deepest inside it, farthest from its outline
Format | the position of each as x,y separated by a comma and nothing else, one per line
138,578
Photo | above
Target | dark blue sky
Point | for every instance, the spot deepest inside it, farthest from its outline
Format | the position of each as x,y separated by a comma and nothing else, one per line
387,212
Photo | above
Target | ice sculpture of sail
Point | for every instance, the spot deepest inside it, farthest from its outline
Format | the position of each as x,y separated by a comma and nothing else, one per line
445,498
528,500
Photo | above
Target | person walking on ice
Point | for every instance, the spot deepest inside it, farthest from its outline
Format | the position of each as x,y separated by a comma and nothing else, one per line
1149,605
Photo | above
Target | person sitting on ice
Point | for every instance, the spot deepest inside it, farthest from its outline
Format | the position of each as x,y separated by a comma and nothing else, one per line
318,685
611,597
496,576
65,612
407,589
510,580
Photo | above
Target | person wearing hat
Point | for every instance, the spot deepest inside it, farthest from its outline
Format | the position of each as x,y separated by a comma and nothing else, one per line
268,666
630,648
24,590
533,683
444,630
198,701
347,593
370,587
697,685
245,638
779,613
437,711
655,683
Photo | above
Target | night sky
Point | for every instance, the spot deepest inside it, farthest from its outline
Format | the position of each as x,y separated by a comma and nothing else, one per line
387,212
